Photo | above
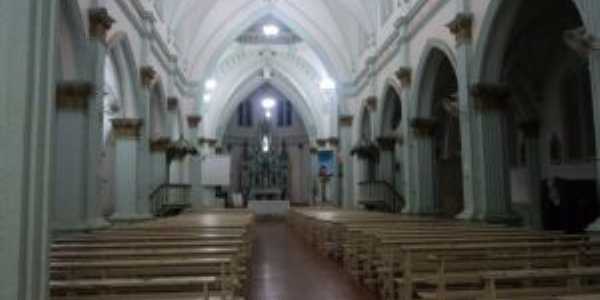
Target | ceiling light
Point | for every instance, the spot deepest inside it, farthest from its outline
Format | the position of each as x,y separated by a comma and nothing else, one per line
271,30
268,114
210,84
268,103
207,97
327,84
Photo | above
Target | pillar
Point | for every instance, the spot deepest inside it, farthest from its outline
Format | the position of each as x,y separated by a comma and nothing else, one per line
490,101
461,28
531,133
151,149
404,75
387,147
426,189
27,44
100,23
345,132
127,133
71,156
333,186
158,163
195,164
315,192
588,43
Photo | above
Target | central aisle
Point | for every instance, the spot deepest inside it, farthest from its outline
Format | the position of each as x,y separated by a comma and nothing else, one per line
284,268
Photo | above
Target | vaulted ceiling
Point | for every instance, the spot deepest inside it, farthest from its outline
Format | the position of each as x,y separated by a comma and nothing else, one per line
335,29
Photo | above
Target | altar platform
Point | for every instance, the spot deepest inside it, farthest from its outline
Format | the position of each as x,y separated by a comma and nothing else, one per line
266,208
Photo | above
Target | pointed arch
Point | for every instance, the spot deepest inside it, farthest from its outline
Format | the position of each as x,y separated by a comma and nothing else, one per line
119,47
333,58
392,112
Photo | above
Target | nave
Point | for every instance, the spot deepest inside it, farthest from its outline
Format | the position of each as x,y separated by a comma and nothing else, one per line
322,253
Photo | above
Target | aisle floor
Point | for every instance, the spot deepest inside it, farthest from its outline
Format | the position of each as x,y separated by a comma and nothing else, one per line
284,268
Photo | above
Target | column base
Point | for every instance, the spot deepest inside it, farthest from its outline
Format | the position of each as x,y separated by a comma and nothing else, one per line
70,227
509,218
99,223
467,214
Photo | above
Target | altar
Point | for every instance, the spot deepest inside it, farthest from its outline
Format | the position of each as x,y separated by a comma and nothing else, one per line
274,208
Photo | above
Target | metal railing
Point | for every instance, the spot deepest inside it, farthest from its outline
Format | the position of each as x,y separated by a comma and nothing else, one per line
170,199
380,195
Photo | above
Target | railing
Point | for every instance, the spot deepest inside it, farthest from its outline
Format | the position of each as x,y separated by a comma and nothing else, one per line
380,195
170,199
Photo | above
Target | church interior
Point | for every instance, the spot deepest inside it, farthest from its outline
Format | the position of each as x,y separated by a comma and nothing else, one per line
310,149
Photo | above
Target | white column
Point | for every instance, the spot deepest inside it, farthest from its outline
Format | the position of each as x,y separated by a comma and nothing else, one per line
315,183
27,45
590,44
490,103
345,131
127,133
158,164
71,156
406,139
531,132
386,165
461,27
100,24
425,200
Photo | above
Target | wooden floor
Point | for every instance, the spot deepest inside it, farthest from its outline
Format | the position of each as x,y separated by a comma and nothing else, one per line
286,268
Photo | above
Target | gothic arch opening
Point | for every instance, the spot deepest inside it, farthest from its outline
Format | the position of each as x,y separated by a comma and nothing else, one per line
269,146
551,144
392,112
438,106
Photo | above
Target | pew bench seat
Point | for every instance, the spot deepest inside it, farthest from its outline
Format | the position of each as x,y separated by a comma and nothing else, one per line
154,296
202,284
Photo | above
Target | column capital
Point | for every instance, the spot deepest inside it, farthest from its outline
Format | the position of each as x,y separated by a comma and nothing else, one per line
531,128
371,103
386,143
462,27
424,127
73,95
148,76
172,103
160,144
211,142
125,127
321,143
404,75
194,120
346,120
202,141
333,142
490,96
100,22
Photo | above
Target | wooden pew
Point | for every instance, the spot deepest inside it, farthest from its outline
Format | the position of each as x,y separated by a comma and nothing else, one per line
492,279
202,256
